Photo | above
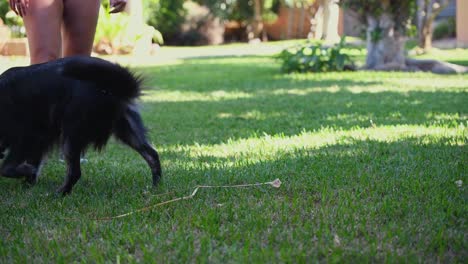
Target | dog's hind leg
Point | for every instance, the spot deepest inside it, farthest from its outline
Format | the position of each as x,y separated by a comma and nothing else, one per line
71,152
130,130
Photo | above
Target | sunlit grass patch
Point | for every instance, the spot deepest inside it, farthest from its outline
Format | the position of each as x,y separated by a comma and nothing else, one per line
266,147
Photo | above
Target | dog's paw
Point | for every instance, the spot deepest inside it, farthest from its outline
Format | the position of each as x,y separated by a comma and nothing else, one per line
156,176
63,190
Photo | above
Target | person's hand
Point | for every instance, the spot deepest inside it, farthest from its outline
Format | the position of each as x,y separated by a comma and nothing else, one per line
116,5
20,6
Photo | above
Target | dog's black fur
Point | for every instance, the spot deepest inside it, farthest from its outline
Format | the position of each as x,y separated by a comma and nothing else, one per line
73,102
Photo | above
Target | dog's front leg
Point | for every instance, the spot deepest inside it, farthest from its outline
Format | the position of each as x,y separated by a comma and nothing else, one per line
72,158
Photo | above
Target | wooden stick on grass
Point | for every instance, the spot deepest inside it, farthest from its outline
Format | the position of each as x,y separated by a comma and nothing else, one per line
276,183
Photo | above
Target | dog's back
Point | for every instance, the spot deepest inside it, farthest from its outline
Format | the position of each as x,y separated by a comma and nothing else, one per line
76,101
101,93
81,95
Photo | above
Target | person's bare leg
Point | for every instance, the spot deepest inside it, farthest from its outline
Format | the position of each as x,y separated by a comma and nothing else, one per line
42,22
79,26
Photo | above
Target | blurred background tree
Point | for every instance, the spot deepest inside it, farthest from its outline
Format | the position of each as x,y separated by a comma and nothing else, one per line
387,23
126,32
428,10
251,14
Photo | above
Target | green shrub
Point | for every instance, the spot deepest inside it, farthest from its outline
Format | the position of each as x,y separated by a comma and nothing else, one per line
314,57
120,34
4,7
12,20
166,16
445,29
16,25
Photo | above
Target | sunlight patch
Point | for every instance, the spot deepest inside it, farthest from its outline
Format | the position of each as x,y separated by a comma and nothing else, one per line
251,115
446,117
266,147
180,96
306,91
440,84
224,95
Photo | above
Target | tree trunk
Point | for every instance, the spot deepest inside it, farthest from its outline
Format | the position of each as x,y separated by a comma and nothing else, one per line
313,20
428,10
258,19
301,21
385,46
327,20
425,35
435,66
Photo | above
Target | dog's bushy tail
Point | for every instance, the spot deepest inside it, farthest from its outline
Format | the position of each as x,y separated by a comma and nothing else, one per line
111,77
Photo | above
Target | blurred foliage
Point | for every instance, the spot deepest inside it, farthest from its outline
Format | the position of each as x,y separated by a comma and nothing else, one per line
118,33
170,16
241,10
13,21
109,30
167,16
298,3
16,25
314,57
4,7
402,11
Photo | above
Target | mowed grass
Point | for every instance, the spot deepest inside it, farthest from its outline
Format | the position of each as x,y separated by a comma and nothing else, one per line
371,165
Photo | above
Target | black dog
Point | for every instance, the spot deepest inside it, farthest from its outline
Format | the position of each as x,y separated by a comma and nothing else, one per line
74,102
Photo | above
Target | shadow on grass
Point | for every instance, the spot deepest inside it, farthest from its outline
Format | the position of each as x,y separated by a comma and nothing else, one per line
271,102
210,122
248,73
459,62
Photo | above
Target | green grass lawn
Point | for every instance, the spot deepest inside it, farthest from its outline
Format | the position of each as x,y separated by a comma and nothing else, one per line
369,163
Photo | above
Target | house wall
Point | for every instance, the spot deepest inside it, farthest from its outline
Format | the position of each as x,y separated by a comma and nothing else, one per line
295,23
462,23
291,23
449,11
